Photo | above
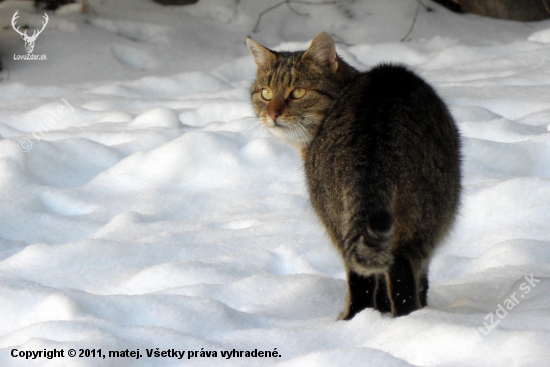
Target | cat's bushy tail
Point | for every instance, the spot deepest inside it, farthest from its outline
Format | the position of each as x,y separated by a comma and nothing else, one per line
380,223
368,243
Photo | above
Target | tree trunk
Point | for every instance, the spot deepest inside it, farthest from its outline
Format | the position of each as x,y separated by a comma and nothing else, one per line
521,10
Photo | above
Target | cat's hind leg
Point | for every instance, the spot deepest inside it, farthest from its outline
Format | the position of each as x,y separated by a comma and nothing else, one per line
423,289
402,286
361,294
382,301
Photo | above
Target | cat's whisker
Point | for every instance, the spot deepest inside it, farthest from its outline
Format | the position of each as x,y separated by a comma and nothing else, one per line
307,135
244,132
299,133
310,123
302,136
296,133
293,131
243,118
251,127
260,129
232,123
310,119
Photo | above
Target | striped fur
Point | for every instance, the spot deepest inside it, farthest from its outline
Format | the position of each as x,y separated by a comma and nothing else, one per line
283,72
382,162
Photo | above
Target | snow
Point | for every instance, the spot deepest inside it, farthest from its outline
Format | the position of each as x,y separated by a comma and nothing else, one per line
540,36
143,206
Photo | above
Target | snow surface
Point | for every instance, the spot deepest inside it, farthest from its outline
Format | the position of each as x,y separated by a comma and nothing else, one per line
152,211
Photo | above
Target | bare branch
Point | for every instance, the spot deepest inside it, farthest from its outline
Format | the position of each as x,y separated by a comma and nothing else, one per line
262,14
288,3
296,11
414,21
316,3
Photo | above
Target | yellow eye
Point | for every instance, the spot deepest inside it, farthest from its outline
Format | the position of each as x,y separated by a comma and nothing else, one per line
266,94
298,93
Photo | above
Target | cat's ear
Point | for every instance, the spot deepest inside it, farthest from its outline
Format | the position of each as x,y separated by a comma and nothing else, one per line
323,51
263,57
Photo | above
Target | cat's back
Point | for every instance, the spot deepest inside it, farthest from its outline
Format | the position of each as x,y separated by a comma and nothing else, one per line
388,137
389,91
389,111
387,81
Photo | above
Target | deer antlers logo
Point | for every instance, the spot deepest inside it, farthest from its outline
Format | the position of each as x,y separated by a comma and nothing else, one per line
29,40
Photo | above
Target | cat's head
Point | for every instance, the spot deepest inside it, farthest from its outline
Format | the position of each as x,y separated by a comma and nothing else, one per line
293,91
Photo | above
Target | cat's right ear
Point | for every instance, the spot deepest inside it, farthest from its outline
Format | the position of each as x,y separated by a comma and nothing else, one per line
263,57
323,51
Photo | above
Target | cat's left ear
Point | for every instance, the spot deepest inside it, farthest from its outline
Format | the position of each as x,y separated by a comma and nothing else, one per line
323,51
263,56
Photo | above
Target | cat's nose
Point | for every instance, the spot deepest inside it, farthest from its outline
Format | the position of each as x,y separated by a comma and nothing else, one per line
273,115
275,109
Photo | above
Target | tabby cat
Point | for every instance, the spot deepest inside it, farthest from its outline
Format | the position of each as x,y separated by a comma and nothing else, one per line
382,161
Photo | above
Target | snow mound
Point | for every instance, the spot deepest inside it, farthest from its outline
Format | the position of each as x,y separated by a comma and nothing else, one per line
540,36
144,206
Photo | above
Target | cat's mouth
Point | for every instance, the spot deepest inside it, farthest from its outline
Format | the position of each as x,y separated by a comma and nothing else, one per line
277,127
273,124
288,133
270,124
